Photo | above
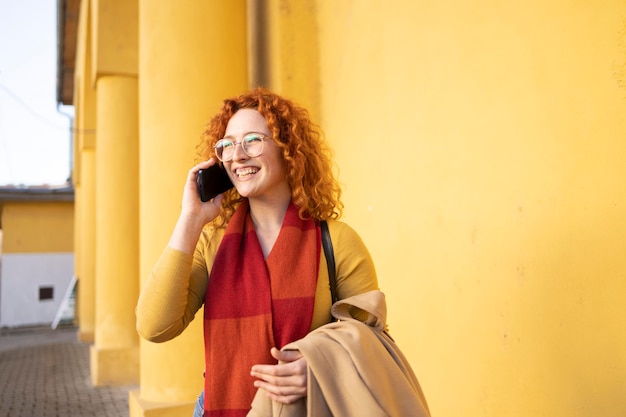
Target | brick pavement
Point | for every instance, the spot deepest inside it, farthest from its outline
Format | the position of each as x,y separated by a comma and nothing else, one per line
45,373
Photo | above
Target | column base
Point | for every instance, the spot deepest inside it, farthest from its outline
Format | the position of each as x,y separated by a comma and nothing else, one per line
142,408
116,367
85,336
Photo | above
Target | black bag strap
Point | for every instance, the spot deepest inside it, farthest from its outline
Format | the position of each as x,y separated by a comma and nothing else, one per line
327,244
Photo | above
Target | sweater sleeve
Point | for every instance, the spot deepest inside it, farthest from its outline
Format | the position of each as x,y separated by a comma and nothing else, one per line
175,290
355,271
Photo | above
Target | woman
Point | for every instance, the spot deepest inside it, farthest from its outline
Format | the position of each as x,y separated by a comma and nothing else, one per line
252,256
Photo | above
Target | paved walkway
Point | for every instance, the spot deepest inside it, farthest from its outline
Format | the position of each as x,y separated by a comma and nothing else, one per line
45,373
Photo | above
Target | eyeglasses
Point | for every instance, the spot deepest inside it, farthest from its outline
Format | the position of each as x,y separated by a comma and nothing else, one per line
252,145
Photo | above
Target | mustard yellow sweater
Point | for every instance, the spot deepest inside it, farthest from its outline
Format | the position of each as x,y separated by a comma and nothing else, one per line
176,287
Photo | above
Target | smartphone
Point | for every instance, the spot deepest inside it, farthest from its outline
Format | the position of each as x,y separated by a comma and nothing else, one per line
212,181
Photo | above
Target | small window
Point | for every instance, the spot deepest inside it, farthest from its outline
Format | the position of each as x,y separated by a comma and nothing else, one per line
46,293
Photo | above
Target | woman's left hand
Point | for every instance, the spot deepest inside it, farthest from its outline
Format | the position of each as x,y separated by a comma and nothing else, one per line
285,382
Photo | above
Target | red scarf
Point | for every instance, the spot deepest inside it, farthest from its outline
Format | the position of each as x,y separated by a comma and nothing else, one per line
253,304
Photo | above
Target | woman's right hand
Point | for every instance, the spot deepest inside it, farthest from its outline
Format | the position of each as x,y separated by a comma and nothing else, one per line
194,213
191,204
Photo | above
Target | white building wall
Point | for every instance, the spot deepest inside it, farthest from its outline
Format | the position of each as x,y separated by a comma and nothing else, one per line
22,276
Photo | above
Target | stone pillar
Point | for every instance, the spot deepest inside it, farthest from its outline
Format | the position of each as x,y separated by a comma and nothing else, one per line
114,356
84,180
85,246
115,353
192,56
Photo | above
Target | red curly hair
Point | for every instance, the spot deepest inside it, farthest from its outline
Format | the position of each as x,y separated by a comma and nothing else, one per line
308,162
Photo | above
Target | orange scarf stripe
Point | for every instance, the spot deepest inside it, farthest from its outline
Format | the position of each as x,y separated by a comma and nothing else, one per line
253,304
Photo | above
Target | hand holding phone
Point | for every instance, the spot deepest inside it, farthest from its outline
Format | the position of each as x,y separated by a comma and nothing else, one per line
212,181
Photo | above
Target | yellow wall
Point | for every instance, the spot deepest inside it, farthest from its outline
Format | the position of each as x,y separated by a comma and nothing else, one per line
38,227
37,252
481,145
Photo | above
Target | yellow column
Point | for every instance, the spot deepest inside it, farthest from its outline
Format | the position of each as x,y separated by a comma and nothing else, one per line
85,197
114,355
205,61
84,181
85,246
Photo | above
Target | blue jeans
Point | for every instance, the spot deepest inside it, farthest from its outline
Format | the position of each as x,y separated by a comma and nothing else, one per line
199,410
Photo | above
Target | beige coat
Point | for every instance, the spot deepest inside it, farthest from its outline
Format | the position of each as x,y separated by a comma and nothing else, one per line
354,369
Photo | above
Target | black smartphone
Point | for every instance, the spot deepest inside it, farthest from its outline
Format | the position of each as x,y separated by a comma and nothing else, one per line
212,181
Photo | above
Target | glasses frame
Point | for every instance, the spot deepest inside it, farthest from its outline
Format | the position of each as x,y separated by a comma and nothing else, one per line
263,136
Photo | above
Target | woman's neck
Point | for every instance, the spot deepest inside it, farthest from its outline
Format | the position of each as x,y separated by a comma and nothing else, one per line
268,217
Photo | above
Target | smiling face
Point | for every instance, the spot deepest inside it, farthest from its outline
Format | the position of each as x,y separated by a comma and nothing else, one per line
261,177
